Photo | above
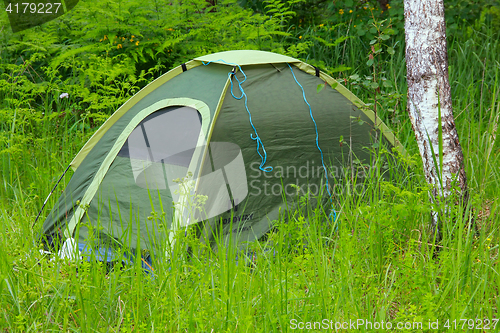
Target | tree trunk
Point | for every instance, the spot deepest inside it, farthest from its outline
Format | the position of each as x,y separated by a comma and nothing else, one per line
429,99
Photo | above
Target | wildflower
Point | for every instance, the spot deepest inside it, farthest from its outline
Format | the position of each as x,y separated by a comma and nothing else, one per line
388,6
136,43
364,8
100,40
321,25
488,239
341,11
133,36
105,37
300,37
350,11
355,26
64,95
119,46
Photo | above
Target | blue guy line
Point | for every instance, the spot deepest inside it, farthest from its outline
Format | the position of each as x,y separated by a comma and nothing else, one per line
256,138
317,143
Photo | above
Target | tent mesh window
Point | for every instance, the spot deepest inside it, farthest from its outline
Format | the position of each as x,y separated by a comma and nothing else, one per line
160,148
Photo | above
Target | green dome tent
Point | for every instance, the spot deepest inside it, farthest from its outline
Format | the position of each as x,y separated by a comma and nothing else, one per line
220,142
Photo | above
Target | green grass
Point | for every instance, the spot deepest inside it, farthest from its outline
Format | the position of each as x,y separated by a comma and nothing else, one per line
378,265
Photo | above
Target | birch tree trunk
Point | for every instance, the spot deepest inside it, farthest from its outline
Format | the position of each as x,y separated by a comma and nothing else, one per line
429,99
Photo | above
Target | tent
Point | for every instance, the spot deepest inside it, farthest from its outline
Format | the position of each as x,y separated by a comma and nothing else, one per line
221,142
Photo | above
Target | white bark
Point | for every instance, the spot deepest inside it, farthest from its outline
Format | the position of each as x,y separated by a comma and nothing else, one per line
429,90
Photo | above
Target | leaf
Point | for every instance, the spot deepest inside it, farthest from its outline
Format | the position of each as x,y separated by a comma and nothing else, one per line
369,62
150,52
374,85
334,85
275,32
390,50
385,37
320,87
340,68
70,53
335,43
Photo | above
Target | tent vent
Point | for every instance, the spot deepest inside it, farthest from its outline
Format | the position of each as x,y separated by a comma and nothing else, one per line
317,71
184,68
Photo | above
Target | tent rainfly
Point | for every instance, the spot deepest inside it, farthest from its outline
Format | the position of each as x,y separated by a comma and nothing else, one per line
223,142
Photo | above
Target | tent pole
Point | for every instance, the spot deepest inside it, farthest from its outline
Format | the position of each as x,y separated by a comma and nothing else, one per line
47,199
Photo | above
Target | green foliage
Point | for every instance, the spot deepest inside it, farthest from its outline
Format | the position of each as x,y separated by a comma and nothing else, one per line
104,52
375,262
